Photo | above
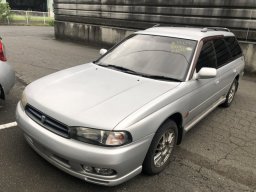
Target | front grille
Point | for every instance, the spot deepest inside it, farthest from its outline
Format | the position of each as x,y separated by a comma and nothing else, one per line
47,122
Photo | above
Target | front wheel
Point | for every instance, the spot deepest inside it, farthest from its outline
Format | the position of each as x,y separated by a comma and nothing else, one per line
231,94
159,153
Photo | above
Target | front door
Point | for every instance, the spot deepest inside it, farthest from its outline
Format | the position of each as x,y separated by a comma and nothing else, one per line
205,91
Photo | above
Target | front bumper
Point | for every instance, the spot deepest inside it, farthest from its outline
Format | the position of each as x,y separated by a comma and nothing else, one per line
70,155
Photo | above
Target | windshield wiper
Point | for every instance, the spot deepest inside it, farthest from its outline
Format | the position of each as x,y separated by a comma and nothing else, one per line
126,70
140,74
159,77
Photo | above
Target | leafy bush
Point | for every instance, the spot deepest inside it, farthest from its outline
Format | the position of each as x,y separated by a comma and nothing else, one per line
51,23
4,10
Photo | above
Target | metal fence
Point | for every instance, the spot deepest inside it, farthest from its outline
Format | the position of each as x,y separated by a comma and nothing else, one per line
28,18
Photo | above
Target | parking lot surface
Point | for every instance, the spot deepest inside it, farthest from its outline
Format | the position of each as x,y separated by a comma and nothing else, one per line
218,154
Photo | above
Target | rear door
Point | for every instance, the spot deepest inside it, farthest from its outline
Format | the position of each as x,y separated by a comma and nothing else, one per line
229,59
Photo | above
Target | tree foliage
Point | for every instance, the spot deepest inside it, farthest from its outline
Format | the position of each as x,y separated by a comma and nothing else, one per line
4,10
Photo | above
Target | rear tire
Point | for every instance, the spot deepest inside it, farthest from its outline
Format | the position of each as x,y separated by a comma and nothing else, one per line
231,94
162,145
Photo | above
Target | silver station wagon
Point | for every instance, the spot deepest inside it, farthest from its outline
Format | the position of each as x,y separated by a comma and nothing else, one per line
109,120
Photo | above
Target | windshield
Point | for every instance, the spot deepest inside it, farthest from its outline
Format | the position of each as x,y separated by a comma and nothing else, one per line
150,55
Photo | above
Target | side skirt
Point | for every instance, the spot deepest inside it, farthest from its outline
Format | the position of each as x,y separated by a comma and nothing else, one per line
204,114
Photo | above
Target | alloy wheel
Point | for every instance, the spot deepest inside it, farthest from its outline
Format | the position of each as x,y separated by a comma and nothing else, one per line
232,93
164,148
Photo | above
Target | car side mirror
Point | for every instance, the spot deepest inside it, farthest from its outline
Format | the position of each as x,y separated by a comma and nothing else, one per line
206,73
103,51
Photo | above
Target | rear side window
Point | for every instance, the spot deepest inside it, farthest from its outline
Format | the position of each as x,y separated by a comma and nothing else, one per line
207,57
233,47
222,53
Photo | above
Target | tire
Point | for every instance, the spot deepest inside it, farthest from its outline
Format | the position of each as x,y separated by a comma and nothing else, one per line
231,94
159,153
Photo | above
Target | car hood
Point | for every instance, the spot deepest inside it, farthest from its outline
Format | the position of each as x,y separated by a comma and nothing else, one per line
92,96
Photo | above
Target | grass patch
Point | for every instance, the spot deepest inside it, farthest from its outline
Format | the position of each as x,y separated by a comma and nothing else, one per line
31,19
17,18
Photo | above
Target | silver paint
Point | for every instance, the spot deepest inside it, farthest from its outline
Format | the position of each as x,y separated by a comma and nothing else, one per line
101,98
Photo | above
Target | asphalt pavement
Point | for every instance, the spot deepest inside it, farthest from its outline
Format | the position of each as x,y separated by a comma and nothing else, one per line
218,154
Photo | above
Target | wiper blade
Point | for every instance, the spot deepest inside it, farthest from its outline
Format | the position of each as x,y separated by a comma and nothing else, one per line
140,74
161,77
126,70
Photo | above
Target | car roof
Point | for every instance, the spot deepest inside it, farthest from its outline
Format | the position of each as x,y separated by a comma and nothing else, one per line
186,32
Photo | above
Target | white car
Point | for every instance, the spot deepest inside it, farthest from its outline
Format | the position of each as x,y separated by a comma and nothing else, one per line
7,75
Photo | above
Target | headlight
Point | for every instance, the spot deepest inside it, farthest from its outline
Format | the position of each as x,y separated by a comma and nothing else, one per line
23,100
100,137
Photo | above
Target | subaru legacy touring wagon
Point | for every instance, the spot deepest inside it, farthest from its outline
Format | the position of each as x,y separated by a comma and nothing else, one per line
123,114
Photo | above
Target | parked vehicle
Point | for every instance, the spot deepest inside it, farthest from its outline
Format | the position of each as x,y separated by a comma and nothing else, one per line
7,75
106,121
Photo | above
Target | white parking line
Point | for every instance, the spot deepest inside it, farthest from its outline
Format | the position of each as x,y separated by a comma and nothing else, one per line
8,125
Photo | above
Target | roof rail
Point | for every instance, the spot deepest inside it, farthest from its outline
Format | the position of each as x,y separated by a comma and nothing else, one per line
156,25
205,29
169,25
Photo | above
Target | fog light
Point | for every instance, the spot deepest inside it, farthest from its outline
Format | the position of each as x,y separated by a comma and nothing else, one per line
104,171
88,169
99,171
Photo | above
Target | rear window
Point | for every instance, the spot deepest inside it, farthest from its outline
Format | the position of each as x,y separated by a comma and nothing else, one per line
222,52
233,46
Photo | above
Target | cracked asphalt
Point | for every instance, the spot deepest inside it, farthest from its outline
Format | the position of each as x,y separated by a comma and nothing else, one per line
218,154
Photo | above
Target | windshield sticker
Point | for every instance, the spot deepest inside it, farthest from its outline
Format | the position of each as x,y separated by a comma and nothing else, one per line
179,48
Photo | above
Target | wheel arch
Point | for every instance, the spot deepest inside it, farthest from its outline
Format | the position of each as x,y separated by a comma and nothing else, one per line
237,79
2,95
177,118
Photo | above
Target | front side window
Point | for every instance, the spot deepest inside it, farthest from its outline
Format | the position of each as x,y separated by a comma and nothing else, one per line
154,56
207,57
